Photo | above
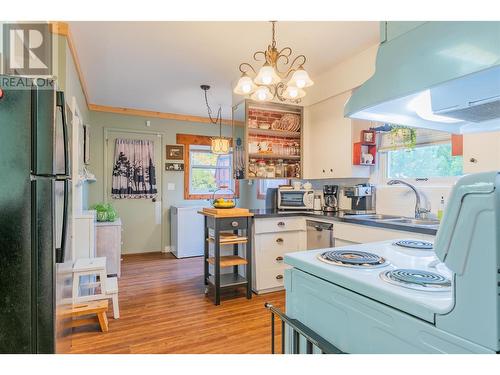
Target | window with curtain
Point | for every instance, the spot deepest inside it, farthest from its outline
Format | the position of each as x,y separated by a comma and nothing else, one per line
134,174
431,157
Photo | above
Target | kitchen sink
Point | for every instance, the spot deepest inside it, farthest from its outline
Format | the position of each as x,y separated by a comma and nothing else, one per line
422,222
396,220
378,217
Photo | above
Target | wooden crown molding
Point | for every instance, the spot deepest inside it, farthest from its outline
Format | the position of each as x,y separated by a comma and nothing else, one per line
145,113
62,28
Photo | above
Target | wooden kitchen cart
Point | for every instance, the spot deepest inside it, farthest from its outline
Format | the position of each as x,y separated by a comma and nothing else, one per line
228,227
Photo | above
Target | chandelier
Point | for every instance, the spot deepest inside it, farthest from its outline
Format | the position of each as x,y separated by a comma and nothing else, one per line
269,82
219,145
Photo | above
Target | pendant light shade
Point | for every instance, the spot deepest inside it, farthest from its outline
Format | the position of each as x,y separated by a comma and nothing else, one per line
245,85
220,146
267,76
293,93
262,94
300,79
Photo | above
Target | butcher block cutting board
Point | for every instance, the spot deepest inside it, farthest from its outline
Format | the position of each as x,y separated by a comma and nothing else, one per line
229,212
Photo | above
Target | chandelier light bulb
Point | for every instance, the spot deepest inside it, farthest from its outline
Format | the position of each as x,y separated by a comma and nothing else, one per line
244,86
293,93
300,79
267,76
262,94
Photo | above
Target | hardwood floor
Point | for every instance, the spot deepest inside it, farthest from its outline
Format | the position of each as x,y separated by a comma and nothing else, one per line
163,309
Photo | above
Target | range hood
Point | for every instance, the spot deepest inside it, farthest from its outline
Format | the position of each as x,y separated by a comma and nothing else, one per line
439,75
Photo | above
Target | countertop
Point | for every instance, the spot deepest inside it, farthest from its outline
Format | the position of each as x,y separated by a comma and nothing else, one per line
340,217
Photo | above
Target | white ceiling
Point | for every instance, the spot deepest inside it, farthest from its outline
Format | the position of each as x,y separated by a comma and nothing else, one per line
159,66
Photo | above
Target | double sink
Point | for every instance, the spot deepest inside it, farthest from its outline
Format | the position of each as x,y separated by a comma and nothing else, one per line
425,223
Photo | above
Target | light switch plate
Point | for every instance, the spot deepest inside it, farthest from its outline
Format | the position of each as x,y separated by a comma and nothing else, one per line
170,186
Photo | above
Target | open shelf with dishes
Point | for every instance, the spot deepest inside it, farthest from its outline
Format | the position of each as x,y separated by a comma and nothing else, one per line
270,136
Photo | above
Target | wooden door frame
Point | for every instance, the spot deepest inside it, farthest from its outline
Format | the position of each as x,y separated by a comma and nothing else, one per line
106,133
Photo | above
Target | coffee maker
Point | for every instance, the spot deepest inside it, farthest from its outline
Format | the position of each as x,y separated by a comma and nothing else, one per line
331,198
362,199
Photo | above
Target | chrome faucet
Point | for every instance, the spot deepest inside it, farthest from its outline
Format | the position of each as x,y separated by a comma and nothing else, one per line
418,210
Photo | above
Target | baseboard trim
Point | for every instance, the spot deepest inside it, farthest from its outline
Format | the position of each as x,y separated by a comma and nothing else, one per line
167,249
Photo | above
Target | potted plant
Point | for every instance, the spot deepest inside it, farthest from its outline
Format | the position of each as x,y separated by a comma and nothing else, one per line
403,136
105,212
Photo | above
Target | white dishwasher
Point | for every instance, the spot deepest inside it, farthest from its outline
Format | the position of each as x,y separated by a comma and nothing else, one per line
187,229
319,235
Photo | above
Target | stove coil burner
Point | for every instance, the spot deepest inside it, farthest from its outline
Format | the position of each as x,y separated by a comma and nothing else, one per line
415,244
417,279
351,258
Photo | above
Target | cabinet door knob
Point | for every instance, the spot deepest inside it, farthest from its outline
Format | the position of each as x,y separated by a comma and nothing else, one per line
279,259
323,171
331,170
473,160
279,277
281,224
279,240
234,224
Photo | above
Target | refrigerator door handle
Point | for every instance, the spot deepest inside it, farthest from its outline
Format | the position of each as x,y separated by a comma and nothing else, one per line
60,103
61,251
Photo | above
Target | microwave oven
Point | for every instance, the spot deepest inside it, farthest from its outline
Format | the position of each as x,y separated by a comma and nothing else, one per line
291,199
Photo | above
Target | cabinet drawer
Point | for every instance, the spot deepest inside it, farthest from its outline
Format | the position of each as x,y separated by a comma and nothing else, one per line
279,224
273,277
271,246
232,223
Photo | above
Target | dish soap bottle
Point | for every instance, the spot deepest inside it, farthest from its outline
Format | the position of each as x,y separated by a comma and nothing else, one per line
440,209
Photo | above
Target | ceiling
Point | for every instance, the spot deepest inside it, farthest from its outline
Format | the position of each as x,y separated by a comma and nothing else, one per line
159,66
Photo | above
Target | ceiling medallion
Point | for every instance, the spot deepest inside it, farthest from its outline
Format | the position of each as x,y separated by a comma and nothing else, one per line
269,82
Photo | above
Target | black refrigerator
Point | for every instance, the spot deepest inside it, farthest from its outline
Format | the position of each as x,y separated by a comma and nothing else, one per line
35,217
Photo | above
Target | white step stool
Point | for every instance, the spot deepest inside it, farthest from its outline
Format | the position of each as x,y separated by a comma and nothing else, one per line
104,288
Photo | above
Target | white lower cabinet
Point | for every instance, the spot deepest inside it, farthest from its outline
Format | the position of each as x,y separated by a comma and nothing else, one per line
273,239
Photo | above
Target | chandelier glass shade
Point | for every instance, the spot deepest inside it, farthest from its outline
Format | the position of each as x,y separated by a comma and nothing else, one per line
269,81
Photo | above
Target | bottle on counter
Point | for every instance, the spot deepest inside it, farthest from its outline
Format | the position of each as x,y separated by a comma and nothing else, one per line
270,170
441,209
279,169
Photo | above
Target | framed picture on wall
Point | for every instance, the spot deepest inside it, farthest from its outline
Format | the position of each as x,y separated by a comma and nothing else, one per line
175,152
86,144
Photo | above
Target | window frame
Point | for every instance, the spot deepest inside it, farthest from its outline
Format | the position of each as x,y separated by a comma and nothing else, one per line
383,173
199,140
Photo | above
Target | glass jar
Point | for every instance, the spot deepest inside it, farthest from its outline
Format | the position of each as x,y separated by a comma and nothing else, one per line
279,169
252,168
270,170
297,170
290,170
261,169
285,169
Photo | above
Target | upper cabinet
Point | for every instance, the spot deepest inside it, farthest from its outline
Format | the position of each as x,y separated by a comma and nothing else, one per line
329,138
268,140
481,152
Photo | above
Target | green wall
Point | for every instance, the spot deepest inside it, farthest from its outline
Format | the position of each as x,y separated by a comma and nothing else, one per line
169,129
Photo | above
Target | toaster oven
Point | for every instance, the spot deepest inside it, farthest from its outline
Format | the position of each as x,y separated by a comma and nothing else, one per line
292,199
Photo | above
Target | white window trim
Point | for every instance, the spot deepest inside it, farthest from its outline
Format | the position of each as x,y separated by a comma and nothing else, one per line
381,175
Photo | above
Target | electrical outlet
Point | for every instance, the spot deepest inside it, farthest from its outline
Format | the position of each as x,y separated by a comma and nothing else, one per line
170,186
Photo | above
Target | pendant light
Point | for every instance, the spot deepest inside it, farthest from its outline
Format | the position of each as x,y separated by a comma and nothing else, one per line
219,145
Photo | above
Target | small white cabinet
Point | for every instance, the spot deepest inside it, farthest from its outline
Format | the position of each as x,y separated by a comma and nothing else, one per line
328,138
109,245
481,152
274,237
